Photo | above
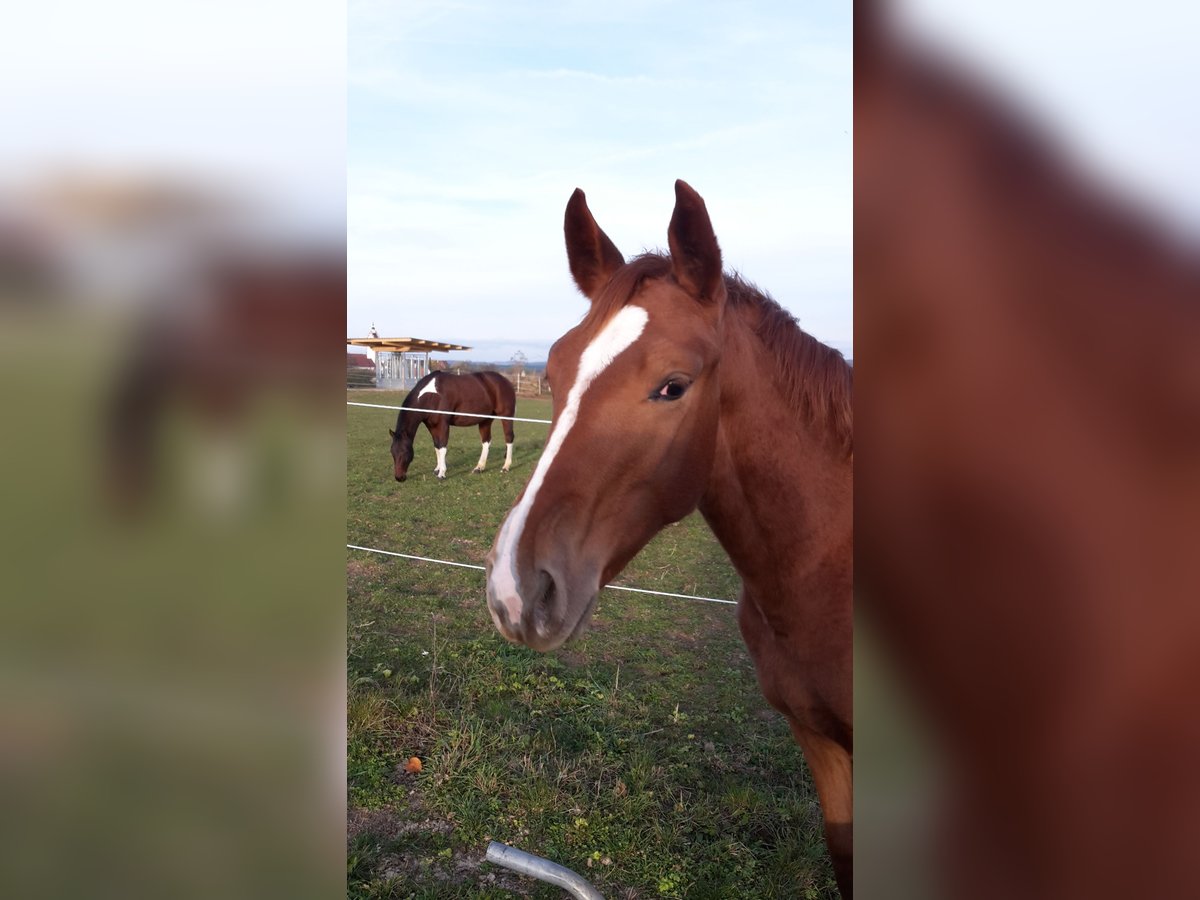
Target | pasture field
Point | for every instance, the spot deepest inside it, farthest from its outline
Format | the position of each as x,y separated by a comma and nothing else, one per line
642,755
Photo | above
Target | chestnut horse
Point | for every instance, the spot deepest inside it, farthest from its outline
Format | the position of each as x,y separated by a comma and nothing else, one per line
485,394
1028,412
682,388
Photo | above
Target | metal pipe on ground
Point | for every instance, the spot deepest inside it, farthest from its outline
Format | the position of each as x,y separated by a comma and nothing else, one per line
542,869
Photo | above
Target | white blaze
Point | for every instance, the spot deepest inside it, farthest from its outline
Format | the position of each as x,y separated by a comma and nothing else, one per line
430,388
619,333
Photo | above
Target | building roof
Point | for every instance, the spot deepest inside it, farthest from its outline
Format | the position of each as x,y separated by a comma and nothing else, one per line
404,345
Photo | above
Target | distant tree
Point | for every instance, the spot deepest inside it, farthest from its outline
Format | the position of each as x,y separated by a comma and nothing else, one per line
517,363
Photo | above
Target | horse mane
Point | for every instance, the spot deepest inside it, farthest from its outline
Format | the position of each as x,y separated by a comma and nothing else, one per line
814,377
410,399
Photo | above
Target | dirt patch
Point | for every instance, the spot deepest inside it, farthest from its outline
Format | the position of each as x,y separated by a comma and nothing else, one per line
573,658
383,824
391,825
395,821
681,637
363,569
459,868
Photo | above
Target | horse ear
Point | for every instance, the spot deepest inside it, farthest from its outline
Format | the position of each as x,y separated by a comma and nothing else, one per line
695,255
594,258
392,433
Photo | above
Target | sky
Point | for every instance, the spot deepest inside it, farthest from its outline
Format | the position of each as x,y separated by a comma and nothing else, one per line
470,124
450,136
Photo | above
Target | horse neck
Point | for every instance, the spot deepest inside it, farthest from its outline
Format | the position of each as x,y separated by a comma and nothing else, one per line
408,422
779,496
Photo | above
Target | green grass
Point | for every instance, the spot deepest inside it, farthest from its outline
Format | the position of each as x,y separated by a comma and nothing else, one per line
642,756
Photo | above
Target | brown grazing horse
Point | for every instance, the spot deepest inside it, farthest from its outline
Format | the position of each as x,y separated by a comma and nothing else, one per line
249,327
440,395
684,387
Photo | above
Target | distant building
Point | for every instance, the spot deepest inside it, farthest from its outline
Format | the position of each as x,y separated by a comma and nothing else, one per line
401,362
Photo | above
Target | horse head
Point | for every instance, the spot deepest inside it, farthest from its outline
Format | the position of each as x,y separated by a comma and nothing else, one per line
402,452
635,388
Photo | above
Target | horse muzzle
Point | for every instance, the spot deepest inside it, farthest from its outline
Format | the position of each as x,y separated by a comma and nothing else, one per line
543,609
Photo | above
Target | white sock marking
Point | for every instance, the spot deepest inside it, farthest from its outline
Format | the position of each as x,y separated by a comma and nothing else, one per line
430,388
507,457
441,462
619,333
483,455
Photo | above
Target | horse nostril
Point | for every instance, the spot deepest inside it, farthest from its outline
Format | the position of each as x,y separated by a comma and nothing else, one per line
545,602
401,477
503,619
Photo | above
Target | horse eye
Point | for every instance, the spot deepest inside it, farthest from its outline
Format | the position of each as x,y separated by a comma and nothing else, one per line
672,390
